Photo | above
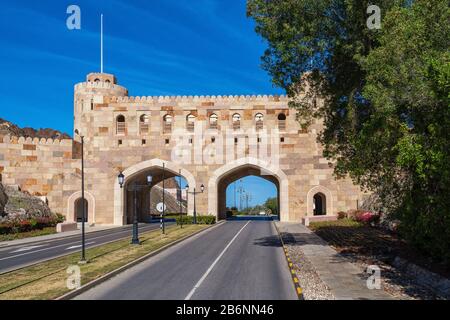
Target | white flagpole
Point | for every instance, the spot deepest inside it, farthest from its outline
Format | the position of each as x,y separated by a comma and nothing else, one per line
101,45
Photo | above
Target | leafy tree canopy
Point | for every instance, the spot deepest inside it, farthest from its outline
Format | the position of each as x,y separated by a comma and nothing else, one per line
385,97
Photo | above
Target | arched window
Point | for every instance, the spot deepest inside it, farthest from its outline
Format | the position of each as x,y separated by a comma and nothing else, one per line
144,124
79,210
108,81
167,123
259,121
320,204
236,121
213,119
282,121
121,125
97,80
190,122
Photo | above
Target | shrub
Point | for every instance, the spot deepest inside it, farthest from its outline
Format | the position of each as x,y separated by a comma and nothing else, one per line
184,220
367,217
342,215
24,226
5,228
353,214
60,218
33,223
45,222
206,219
200,220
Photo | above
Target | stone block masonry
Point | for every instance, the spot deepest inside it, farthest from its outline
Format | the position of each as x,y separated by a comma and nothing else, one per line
38,166
211,139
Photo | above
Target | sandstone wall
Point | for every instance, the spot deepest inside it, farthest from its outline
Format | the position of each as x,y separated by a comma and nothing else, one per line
52,168
40,166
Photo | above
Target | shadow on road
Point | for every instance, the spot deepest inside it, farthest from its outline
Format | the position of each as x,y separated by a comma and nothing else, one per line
270,241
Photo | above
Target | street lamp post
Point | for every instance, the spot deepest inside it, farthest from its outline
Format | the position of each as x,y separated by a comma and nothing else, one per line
163,223
83,219
194,193
135,187
181,199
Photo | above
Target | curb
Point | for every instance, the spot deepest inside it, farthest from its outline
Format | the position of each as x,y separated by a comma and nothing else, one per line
298,288
96,282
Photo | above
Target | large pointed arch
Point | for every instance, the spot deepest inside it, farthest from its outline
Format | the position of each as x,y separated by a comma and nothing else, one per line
131,172
266,169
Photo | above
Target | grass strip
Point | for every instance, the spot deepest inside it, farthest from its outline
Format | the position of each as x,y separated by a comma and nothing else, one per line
30,234
47,280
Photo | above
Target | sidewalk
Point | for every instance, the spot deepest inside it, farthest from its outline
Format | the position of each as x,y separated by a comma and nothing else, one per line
345,280
54,236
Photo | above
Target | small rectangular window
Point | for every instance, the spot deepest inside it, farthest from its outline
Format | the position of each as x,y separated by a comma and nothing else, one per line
213,139
236,140
282,140
119,142
167,141
259,140
191,141
144,142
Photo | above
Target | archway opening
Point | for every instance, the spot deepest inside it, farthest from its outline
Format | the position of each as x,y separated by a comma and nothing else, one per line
166,187
320,204
79,210
245,191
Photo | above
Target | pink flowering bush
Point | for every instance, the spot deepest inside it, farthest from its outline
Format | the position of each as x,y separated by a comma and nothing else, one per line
367,217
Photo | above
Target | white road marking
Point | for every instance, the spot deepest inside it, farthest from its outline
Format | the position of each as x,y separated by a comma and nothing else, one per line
6,247
79,246
26,249
64,245
198,284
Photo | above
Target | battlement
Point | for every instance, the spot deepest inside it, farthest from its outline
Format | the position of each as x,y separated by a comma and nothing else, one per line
101,85
9,139
186,99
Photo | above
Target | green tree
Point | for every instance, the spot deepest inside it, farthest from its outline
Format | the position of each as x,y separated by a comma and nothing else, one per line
385,93
408,81
272,204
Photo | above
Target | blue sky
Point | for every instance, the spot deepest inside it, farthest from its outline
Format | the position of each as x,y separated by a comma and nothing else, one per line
259,188
154,47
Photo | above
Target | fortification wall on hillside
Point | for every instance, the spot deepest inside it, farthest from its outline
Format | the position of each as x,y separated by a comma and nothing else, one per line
42,167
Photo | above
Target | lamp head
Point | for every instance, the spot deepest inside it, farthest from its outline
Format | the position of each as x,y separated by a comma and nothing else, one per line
121,179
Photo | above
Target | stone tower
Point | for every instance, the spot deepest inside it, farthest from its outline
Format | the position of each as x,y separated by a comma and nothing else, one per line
94,94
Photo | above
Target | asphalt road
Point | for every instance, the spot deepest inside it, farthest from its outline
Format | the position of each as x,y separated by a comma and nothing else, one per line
237,260
18,256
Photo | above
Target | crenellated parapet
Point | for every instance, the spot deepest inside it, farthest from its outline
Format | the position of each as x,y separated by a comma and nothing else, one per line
188,99
92,87
9,139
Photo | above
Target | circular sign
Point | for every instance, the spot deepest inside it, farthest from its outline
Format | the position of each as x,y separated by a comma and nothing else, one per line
161,207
